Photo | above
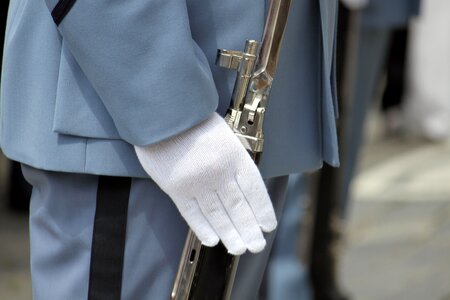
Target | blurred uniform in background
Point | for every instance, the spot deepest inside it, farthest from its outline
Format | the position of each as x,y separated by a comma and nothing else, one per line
380,50
372,42
373,38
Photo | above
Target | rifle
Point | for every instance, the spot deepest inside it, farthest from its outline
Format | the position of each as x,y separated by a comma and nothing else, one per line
205,272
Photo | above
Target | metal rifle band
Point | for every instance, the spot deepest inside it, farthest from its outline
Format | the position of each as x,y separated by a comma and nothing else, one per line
209,272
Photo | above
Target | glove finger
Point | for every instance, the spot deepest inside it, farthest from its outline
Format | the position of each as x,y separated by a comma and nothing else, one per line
193,215
242,217
255,190
217,216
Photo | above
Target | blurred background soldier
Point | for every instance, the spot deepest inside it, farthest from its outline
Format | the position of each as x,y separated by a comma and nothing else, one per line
287,274
373,37
372,44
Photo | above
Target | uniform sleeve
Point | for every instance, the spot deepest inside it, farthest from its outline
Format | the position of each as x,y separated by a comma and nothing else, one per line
140,58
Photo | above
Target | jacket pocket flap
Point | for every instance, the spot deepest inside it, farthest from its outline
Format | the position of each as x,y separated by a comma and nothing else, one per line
78,109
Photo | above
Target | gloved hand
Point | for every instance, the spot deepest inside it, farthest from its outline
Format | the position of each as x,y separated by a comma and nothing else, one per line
215,185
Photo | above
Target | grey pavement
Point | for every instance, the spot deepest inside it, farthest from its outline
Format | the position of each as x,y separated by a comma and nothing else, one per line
398,241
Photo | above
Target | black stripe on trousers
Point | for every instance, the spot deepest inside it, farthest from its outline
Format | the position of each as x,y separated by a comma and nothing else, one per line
61,9
108,239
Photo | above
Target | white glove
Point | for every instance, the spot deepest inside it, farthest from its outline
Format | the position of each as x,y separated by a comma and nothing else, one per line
215,185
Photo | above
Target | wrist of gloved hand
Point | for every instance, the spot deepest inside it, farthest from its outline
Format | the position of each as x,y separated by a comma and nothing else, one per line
215,185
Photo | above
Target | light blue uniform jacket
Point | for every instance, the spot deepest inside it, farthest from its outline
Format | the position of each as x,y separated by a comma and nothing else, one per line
75,97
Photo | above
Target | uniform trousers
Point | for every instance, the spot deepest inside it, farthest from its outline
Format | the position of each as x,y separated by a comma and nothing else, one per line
62,213
287,275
